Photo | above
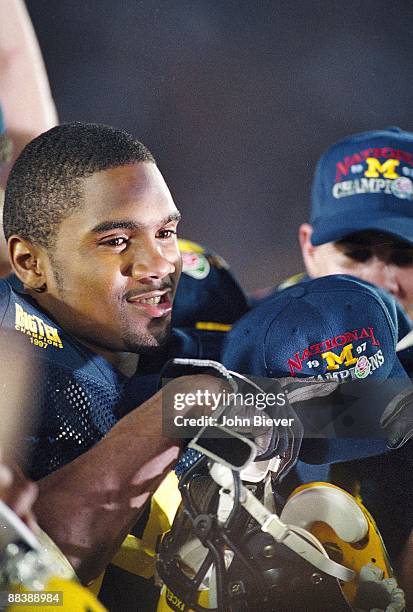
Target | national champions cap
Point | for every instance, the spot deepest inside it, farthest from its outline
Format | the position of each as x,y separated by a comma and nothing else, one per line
335,327
364,182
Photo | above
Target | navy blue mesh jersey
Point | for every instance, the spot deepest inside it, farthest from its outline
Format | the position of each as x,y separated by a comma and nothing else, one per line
76,395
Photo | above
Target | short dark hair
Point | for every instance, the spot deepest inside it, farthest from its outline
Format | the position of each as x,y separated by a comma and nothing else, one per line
44,186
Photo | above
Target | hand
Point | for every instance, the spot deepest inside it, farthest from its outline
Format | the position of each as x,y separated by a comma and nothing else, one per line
17,492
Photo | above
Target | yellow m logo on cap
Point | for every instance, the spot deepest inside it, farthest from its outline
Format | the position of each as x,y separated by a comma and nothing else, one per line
335,361
386,169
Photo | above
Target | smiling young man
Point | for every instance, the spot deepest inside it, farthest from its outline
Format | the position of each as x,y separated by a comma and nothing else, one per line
98,252
91,229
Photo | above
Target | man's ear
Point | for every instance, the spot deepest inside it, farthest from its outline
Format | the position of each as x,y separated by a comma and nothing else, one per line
28,262
307,249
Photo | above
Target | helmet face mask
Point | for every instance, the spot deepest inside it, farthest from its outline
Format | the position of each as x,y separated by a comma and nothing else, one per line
206,564
209,564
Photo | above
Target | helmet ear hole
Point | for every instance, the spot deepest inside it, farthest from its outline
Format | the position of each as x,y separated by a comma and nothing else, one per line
357,545
330,505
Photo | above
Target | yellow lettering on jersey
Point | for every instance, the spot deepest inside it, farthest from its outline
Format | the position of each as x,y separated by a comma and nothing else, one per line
387,169
35,327
51,334
19,316
39,324
30,322
334,361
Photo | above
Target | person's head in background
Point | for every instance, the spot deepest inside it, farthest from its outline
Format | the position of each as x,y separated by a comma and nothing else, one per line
362,212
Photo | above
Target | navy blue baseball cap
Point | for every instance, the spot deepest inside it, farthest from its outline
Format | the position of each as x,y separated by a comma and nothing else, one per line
331,328
364,182
208,297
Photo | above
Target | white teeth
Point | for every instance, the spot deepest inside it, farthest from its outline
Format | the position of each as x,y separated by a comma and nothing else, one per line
152,300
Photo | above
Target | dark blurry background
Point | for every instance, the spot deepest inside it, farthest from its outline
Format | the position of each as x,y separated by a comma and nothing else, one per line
236,100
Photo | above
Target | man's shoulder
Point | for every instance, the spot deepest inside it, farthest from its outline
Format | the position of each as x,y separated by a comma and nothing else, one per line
44,338
21,313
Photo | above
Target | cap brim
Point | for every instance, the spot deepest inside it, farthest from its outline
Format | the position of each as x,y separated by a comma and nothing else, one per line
330,229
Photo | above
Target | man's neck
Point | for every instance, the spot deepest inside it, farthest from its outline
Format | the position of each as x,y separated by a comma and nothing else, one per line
126,363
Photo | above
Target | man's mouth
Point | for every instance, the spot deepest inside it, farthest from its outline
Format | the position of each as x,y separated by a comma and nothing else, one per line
155,304
151,300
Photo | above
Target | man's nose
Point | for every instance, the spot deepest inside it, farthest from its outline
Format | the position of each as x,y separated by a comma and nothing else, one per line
150,264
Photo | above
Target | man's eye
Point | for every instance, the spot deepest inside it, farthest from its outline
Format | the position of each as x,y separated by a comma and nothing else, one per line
360,255
165,234
118,241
